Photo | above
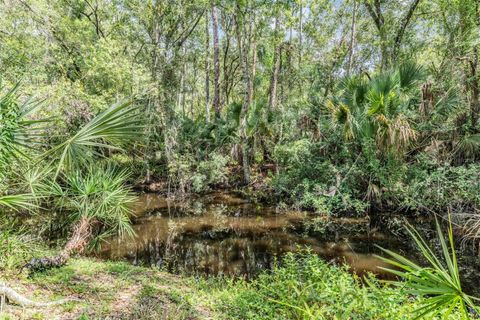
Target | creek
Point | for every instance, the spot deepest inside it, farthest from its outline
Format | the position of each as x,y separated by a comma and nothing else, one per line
224,234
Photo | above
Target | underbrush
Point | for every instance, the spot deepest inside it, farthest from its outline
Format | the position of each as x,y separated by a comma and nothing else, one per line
306,287
17,246
345,185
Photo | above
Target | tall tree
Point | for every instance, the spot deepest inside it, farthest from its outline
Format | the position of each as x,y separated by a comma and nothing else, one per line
216,64
243,50
207,68
272,101
351,49
390,41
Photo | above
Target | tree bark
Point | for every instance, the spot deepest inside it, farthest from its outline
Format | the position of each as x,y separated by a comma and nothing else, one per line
247,95
216,64
272,100
351,51
81,236
207,69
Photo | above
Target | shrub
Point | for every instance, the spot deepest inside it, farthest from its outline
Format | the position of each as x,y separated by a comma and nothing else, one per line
306,287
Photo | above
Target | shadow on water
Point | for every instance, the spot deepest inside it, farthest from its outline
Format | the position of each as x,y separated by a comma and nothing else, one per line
221,234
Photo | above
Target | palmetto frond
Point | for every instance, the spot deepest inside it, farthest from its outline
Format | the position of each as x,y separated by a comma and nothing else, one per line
354,90
469,145
100,194
410,75
376,108
17,131
342,115
17,201
117,124
439,283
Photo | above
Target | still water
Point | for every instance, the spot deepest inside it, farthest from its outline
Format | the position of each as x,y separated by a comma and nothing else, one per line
223,234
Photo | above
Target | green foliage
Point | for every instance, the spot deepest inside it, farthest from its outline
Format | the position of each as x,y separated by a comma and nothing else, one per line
98,193
378,109
17,130
305,287
115,125
439,283
314,182
17,245
439,187
188,176
210,172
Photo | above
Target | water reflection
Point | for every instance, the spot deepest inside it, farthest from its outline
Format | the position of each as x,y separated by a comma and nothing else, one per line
221,234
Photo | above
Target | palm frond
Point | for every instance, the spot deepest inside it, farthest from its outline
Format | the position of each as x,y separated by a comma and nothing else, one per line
18,130
17,201
117,124
438,284
410,75
99,193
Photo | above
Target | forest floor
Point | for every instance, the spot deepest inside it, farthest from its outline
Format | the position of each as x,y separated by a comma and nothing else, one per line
108,290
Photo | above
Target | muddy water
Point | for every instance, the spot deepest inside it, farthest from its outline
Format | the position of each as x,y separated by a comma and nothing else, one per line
222,234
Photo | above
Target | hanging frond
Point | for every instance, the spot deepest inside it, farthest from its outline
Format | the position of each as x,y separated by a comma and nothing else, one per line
116,125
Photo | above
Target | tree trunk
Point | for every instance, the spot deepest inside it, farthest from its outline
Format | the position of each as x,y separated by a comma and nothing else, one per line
401,29
181,92
300,35
216,65
272,100
254,66
247,97
352,39
207,69
81,236
474,90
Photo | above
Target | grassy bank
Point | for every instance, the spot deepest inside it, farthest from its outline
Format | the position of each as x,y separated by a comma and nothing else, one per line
304,288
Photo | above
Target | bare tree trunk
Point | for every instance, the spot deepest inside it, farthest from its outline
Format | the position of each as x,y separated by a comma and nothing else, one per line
181,92
216,64
247,96
253,40
352,39
207,69
272,100
300,34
